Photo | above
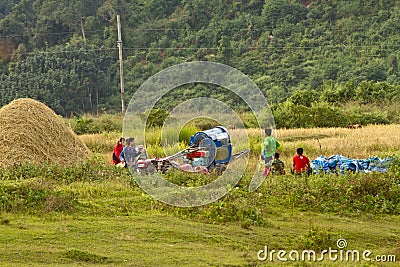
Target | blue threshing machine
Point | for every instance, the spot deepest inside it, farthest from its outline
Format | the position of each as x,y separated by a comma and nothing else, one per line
208,150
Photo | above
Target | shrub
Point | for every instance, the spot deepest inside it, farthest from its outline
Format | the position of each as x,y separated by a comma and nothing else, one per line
315,239
83,125
87,124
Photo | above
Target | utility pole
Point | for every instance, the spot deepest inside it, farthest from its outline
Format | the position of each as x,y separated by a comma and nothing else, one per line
83,30
121,72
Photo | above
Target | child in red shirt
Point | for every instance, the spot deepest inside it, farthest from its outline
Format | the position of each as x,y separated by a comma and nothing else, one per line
300,162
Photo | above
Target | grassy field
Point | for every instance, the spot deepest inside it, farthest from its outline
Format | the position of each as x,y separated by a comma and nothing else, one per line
96,215
154,239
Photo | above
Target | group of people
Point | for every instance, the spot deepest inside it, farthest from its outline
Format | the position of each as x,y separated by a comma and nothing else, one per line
126,153
301,163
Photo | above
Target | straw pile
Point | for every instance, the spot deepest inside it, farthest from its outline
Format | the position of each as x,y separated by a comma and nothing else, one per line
30,132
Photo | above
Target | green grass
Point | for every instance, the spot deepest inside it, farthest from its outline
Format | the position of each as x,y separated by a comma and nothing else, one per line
80,216
156,239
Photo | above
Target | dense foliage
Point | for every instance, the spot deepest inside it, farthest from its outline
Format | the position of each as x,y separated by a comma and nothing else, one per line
303,54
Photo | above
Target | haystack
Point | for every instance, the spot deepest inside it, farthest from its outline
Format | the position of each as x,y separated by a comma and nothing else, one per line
30,132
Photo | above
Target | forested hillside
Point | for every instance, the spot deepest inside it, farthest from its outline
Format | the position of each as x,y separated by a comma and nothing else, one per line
318,55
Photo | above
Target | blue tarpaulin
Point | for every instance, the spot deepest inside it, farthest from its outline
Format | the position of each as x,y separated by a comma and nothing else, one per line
337,163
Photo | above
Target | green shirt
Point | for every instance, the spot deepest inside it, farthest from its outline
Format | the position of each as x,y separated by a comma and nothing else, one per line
269,146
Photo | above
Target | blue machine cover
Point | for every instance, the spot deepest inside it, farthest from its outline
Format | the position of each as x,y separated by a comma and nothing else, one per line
220,136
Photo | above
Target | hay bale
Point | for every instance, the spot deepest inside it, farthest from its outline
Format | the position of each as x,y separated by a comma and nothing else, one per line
30,132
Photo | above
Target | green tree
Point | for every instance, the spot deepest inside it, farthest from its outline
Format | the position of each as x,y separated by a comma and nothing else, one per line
304,97
280,11
68,79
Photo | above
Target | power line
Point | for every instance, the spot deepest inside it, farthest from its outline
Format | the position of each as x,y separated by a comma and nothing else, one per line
65,51
252,29
46,34
339,46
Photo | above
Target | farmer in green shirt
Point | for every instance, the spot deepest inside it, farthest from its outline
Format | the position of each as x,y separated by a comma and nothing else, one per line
269,146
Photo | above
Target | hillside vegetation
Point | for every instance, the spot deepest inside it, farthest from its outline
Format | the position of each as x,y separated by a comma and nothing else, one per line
317,56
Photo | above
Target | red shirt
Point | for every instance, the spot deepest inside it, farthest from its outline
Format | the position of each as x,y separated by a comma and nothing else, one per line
300,163
117,151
